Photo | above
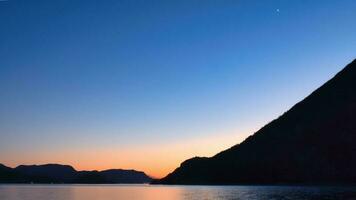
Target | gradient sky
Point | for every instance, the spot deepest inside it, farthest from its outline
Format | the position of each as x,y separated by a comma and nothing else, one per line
148,84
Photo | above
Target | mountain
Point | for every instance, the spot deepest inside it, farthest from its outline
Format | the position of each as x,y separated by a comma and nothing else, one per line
126,176
48,173
55,173
113,176
313,143
8,175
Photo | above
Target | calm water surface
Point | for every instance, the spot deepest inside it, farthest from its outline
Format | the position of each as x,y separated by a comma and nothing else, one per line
148,192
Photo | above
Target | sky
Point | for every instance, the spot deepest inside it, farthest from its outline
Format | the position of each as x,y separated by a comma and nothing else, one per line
147,84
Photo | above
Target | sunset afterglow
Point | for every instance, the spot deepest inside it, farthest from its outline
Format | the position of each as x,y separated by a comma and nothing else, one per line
145,85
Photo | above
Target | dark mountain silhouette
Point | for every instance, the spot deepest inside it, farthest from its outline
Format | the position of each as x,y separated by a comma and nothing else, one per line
49,172
55,173
125,176
113,176
313,143
8,175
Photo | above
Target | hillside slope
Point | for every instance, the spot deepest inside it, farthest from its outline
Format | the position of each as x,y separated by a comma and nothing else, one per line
313,143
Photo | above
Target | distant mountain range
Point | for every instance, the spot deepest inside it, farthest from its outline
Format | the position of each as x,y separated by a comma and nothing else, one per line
55,173
313,143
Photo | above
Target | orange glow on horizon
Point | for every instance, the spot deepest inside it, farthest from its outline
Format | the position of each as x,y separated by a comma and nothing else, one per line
155,160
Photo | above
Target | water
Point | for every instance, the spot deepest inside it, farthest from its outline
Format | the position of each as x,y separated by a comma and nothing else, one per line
149,192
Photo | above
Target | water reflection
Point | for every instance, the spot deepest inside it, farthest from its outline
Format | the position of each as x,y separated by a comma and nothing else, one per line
148,192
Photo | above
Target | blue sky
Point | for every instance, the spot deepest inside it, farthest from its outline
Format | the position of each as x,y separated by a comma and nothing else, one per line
78,75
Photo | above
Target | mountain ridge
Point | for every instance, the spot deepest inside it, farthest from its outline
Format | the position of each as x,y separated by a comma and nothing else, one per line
57,173
270,155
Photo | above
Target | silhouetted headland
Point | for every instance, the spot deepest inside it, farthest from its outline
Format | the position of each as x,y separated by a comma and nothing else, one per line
55,173
313,143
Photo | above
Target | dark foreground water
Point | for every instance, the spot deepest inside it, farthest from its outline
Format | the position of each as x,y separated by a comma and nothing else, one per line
148,192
